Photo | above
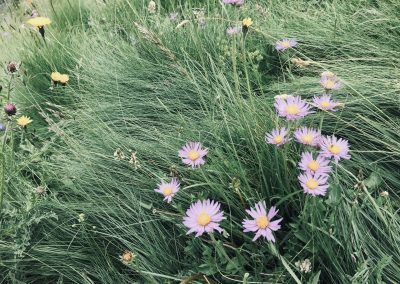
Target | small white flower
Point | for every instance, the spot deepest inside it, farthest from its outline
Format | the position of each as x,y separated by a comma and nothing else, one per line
152,7
384,194
81,218
119,155
283,96
304,266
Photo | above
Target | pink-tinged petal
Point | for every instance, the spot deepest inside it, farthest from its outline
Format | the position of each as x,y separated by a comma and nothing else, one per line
200,232
252,213
250,226
272,212
274,225
270,236
258,234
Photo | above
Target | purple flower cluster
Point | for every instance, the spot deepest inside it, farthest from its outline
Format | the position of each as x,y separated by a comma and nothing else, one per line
204,216
315,167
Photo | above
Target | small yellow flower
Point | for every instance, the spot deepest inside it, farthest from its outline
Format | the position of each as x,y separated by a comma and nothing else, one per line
64,78
247,22
24,121
55,76
39,22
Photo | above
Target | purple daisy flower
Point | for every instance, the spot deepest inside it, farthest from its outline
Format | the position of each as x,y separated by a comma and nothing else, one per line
334,147
233,30
173,17
285,43
324,102
319,166
277,136
261,223
168,189
330,82
192,154
314,184
307,136
234,2
292,108
203,216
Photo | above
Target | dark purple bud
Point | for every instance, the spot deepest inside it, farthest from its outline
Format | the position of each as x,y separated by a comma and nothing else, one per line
12,67
10,109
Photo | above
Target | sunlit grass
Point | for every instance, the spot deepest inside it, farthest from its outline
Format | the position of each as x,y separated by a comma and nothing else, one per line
148,88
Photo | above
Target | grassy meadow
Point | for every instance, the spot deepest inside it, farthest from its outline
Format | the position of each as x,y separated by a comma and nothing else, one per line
77,184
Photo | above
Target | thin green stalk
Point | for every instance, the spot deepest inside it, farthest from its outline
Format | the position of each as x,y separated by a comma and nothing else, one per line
220,248
9,87
3,166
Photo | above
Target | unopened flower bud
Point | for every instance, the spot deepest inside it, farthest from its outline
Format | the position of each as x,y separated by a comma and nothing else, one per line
10,109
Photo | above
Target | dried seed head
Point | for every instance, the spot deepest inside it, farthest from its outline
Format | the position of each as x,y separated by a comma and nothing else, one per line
12,67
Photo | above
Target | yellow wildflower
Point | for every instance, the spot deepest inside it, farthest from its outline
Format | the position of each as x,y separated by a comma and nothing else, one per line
64,78
24,121
247,22
55,76
39,22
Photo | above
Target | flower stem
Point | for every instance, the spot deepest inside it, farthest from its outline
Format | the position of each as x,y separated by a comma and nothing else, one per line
3,166
245,65
220,248
9,87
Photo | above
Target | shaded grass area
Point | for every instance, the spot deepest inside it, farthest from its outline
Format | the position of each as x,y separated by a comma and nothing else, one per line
150,88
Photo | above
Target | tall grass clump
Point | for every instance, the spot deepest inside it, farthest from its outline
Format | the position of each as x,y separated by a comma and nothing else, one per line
143,84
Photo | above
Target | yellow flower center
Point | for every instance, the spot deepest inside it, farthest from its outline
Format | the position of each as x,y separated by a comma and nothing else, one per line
193,155
204,219
278,139
325,104
292,109
262,222
334,149
312,183
329,84
167,191
313,165
307,138
285,44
